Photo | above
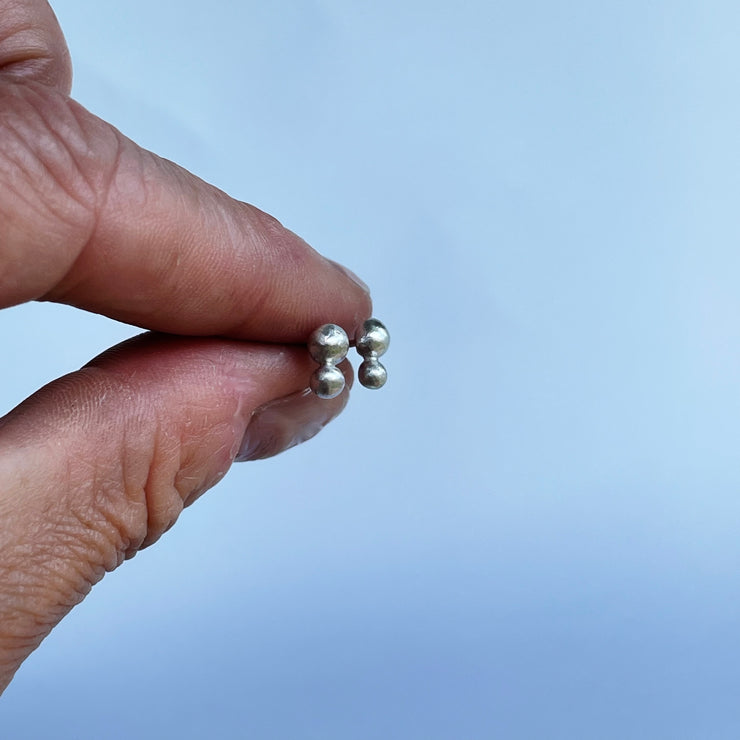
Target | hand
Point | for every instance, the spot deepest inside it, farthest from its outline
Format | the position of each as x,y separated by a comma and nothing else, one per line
98,464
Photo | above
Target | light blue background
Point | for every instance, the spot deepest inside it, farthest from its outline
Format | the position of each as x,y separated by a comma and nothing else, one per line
538,530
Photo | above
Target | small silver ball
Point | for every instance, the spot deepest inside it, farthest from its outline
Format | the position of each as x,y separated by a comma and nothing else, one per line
373,338
327,381
328,343
372,374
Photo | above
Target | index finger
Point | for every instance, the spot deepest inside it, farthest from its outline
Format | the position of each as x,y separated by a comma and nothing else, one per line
90,219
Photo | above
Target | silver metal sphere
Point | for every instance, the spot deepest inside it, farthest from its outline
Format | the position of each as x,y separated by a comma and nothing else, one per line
372,374
327,381
373,339
328,344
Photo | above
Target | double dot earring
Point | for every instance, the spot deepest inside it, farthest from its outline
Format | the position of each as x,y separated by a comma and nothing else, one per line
328,346
371,344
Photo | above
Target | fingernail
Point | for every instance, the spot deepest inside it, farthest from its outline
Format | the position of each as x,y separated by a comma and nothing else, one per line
351,275
279,425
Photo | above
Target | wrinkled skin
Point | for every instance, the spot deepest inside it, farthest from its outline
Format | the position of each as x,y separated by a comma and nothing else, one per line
98,464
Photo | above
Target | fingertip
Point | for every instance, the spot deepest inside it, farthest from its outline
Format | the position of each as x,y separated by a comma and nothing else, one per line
352,276
284,423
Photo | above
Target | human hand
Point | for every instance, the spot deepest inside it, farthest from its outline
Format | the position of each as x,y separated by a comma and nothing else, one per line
98,464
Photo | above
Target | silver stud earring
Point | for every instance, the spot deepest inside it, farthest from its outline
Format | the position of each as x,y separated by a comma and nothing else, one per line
328,345
372,342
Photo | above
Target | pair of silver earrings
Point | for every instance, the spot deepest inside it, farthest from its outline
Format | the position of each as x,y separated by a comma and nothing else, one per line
328,345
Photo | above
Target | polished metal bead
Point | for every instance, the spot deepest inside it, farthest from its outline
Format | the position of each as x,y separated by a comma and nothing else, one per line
372,342
373,339
327,381
328,345
372,374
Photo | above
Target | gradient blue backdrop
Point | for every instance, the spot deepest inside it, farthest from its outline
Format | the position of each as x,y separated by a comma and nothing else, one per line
538,532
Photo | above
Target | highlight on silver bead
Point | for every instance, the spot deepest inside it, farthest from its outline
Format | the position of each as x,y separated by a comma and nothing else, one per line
328,345
372,342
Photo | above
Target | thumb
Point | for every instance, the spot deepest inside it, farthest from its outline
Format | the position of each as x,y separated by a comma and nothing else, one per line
98,464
